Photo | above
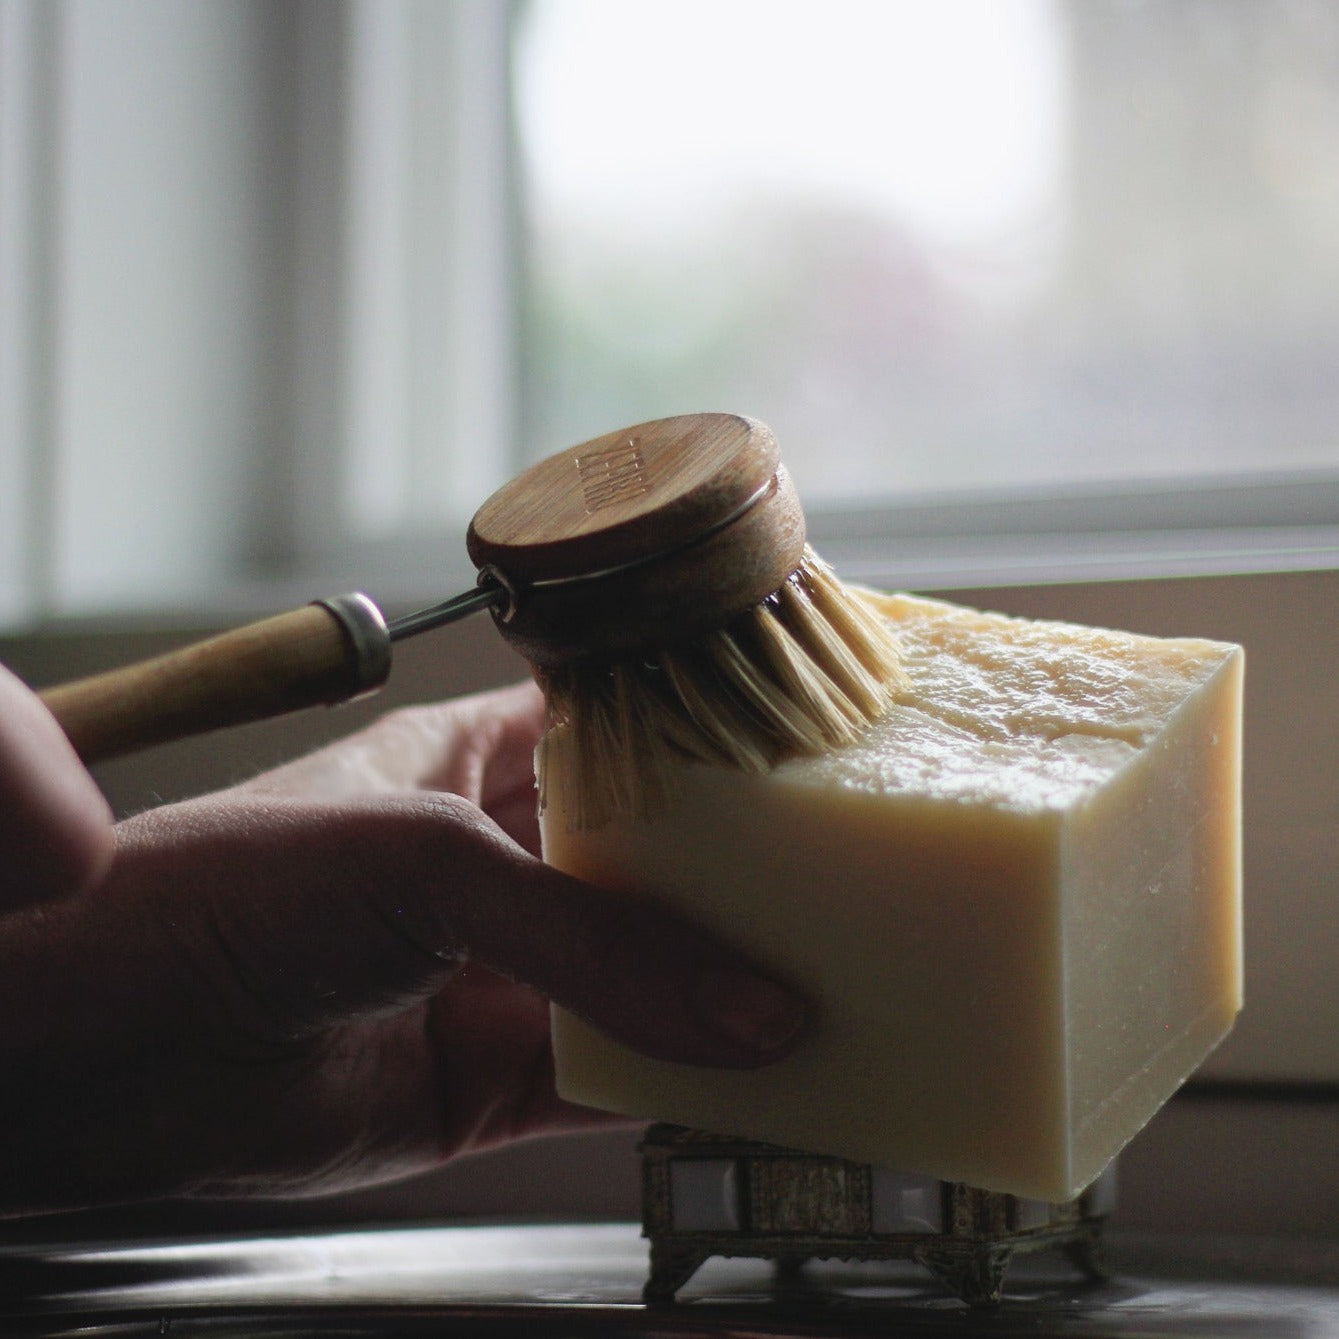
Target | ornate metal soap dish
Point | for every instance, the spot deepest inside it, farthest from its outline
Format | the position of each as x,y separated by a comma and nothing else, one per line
705,1195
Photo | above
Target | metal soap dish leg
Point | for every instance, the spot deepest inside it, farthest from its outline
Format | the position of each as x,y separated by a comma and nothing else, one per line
706,1195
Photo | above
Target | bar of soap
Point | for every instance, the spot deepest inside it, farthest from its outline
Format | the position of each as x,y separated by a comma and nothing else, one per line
1016,905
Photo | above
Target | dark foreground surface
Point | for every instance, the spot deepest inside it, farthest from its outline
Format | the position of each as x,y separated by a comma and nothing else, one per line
585,1280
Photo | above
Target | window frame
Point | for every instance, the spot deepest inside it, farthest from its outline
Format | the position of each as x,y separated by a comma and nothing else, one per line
215,220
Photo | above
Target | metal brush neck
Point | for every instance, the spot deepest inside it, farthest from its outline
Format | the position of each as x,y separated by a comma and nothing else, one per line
489,592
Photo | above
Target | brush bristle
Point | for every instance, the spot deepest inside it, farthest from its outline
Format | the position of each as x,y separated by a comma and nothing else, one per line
804,671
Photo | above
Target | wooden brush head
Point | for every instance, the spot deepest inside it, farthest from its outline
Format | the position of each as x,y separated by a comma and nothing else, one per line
642,539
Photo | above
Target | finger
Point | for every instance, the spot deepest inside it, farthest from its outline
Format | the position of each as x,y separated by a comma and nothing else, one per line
286,918
55,826
493,763
509,794
517,815
393,754
369,1102
492,1046
443,746
496,734
467,1071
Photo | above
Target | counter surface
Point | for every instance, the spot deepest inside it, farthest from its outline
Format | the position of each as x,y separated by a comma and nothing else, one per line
585,1280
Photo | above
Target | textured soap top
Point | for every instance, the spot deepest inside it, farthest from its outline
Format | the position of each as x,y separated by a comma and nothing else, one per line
1013,713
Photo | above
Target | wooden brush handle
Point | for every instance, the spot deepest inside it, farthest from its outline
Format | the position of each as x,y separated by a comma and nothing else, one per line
323,653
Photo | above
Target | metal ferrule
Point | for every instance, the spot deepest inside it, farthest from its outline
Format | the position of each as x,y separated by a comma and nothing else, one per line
368,638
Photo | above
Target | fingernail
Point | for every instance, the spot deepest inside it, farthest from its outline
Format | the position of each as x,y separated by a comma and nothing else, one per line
749,1010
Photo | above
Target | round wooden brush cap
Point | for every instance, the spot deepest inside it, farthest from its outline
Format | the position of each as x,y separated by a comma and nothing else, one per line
641,539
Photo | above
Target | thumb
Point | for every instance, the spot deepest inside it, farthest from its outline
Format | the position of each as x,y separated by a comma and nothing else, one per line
297,916
55,826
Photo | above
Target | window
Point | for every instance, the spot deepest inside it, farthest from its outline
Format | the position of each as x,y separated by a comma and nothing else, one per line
257,266
291,288
940,247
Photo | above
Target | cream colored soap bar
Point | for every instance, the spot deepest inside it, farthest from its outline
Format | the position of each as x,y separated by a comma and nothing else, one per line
1016,905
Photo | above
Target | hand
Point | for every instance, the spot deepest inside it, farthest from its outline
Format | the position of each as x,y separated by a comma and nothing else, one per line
55,827
310,982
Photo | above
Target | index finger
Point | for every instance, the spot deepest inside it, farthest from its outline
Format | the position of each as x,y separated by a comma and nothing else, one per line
287,918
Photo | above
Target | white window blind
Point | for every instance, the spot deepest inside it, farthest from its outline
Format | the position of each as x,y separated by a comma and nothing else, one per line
257,265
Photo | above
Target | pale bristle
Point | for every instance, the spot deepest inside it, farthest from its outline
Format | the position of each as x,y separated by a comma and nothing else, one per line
805,671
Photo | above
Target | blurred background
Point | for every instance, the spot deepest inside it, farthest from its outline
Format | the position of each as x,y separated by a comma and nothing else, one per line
946,246
290,288
1039,295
